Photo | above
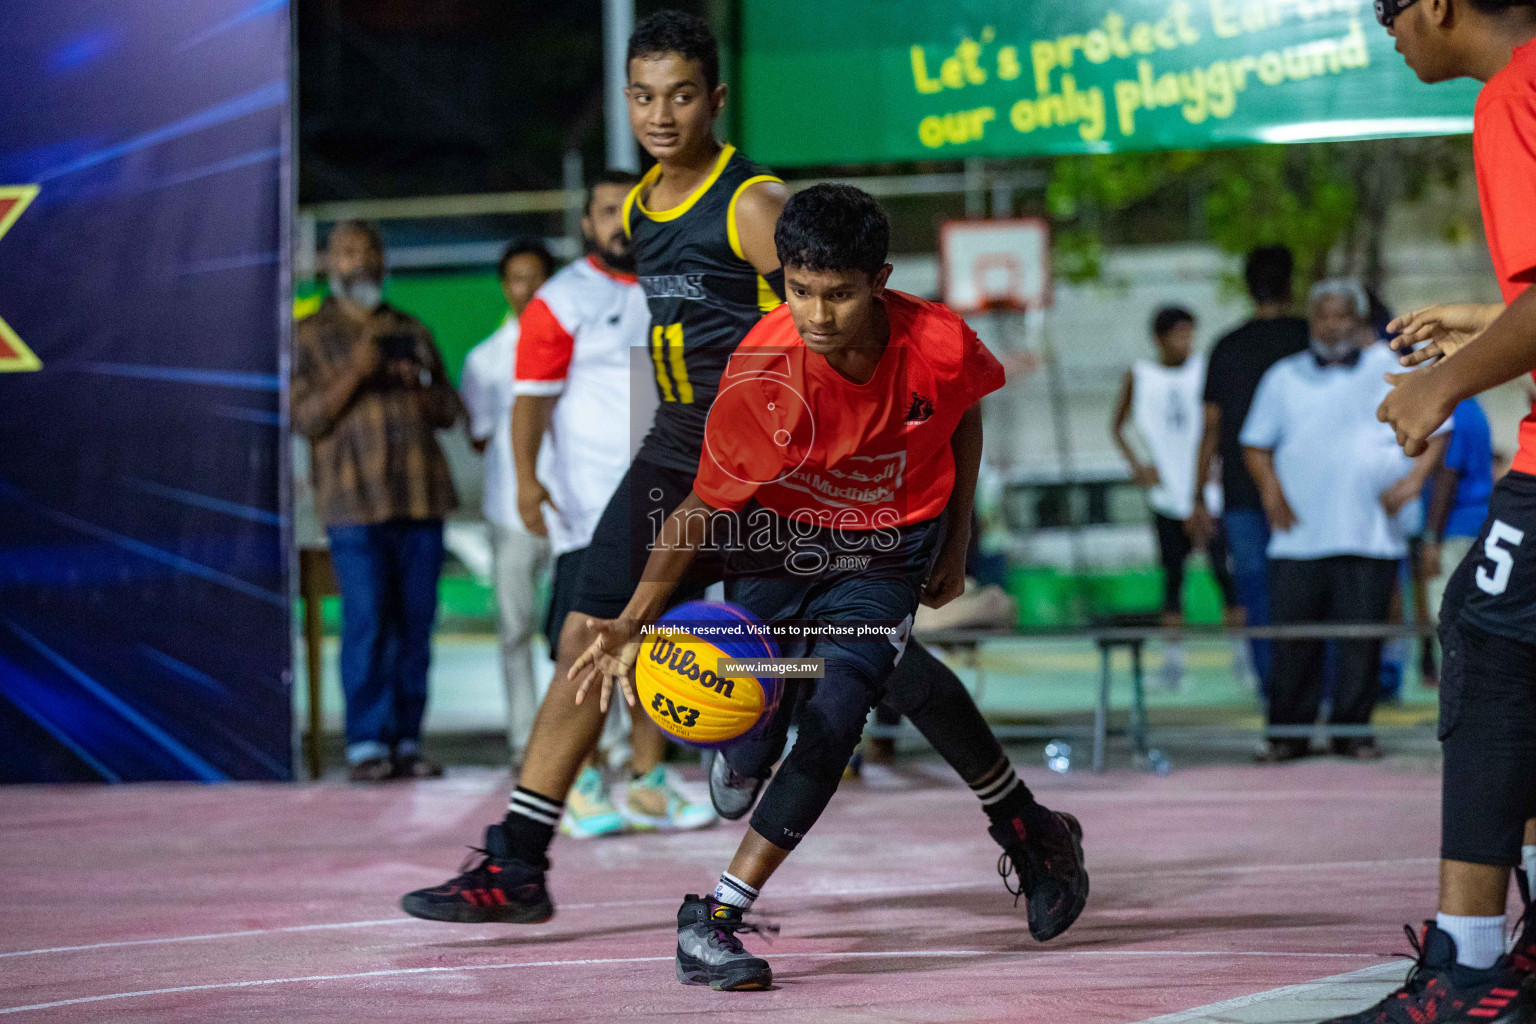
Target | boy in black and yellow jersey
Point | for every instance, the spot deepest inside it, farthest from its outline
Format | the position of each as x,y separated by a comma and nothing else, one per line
702,222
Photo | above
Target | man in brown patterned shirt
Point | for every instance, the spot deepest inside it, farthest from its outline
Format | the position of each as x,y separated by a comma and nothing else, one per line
370,393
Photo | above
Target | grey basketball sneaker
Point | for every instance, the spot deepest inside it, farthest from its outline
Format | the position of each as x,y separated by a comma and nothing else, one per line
733,795
708,951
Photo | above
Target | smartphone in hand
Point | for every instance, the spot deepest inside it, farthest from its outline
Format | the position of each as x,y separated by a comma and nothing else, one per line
397,346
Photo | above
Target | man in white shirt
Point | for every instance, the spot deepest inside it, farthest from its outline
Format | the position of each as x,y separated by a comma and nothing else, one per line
520,556
1327,473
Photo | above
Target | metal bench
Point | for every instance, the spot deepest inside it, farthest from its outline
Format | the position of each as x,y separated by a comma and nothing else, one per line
1131,633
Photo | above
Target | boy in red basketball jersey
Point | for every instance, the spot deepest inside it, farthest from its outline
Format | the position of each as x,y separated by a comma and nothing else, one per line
1488,618
845,437
702,225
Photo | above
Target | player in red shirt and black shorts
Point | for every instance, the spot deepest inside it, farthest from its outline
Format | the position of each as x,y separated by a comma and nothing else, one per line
702,224
845,439
1488,618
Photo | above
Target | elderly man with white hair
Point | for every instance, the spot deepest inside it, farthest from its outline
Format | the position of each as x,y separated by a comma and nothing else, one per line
1332,480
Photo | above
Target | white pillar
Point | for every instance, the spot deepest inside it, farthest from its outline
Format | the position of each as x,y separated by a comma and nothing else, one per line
618,23
306,247
573,182
975,187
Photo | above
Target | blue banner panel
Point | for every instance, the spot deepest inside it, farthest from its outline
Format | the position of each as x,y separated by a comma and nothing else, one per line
144,600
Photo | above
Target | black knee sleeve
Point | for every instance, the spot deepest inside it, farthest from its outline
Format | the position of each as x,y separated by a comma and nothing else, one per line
831,721
1488,734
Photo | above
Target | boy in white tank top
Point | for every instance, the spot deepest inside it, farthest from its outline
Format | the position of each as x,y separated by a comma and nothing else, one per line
1162,399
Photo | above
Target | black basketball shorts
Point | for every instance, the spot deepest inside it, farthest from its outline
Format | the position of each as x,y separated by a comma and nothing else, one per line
1488,685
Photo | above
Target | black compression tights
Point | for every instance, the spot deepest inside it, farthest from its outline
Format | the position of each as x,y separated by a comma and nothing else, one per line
935,701
831,720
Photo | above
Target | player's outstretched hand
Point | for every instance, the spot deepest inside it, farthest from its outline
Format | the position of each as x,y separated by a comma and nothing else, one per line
1443,329
1415,408
947,580
611,656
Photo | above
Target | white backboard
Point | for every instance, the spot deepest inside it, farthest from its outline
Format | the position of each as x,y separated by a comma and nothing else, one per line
995,264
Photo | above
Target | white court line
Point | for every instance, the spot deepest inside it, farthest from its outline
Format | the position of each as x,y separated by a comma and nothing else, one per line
1259,869
891,954
211,935
1287,992
1217,796
1237,869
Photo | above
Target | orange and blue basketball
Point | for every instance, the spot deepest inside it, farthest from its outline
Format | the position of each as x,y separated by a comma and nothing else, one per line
677,682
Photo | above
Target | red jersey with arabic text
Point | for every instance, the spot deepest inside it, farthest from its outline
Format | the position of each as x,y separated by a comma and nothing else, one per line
808,443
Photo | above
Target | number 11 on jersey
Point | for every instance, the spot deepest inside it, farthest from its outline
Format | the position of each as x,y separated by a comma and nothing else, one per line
671,367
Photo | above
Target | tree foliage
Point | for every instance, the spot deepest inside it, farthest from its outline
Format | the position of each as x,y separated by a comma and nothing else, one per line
1328,201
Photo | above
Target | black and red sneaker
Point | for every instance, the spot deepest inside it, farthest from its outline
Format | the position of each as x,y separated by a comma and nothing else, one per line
497,887
1441,991
1522,956
1049,862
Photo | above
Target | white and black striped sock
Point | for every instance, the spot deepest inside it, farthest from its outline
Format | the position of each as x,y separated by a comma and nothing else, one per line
997,785
1009,804
530,824
528,804
733,891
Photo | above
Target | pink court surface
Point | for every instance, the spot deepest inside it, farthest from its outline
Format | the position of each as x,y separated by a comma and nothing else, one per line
1219,894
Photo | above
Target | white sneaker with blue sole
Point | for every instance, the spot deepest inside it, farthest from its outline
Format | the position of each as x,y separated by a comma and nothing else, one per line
654,802
588,810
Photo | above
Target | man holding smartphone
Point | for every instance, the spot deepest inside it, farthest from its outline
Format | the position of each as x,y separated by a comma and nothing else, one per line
370,393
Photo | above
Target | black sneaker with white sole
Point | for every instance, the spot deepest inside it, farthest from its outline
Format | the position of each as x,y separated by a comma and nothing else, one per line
708,951
733,795
496,887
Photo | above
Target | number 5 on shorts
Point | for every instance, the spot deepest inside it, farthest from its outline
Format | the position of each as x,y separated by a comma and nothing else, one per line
1503,559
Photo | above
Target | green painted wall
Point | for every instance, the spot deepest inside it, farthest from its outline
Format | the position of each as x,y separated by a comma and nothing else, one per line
460,308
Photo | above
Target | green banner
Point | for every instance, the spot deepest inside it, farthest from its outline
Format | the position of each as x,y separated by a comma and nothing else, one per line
866,81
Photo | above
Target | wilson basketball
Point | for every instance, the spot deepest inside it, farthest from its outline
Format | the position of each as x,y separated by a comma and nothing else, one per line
677,681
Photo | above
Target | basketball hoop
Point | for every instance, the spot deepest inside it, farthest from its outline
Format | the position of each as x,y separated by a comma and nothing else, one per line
995,265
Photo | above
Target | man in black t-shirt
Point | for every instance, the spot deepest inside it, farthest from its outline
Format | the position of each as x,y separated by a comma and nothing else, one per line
1236,364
